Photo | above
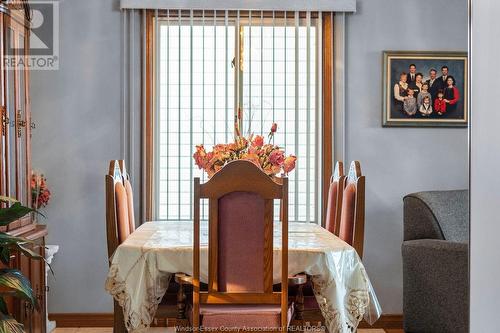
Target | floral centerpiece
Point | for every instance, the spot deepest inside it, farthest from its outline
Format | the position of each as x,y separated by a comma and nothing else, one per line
269,157
40,193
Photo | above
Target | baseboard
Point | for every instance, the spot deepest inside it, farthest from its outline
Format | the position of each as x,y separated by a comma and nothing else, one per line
82,319
387,321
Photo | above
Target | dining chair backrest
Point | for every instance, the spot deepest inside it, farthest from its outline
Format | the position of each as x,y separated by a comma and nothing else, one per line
352,220
334,203
240,238
130,195
119,205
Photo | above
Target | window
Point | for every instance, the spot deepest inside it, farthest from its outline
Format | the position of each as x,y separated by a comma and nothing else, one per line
207,65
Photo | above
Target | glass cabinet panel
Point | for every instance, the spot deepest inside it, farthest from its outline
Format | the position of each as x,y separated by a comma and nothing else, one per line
10,131
21,125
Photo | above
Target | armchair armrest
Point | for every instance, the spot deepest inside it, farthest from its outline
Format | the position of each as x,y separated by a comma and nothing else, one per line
435,286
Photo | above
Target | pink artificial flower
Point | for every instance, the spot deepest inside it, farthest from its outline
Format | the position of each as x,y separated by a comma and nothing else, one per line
274,128
277,157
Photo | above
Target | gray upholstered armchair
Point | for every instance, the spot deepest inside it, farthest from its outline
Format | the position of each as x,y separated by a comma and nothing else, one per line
435,262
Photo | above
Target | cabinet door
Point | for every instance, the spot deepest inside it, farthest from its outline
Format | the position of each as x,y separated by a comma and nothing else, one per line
22,125
8,118
16,136
3,107
24,310
37,277
32,318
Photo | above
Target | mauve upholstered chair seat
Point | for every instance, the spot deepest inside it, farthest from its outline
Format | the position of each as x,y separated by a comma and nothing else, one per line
239,316
347,219
122,212
331,207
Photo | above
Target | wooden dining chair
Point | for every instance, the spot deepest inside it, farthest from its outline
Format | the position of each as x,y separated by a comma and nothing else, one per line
240,246
130,195
352,220
118,222
334,203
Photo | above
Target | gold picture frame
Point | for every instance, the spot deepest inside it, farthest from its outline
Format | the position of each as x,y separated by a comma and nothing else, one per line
449,112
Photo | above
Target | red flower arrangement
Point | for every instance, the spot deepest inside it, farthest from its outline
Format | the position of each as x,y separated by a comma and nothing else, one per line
40,194
270,158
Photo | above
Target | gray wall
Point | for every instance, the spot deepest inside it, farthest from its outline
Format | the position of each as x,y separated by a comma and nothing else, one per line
77,110
397,161
485,161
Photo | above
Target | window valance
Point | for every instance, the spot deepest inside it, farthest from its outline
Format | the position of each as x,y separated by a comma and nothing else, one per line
292,5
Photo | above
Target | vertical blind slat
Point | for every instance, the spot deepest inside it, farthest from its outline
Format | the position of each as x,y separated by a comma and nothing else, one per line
297,174
308,117
179,150
167,74
215,76
285,87
203,98
262,72
156,103
318,132
274,68
237,69
131,96
226,76
124,87
249,113
190,107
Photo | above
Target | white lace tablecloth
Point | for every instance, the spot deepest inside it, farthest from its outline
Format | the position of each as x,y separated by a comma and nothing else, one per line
142,266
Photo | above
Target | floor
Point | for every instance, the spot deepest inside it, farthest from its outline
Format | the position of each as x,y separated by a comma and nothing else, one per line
162,329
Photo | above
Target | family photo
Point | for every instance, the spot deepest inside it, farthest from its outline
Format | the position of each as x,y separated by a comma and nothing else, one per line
425,89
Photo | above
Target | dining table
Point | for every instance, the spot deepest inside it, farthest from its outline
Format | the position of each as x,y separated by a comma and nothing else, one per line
142,266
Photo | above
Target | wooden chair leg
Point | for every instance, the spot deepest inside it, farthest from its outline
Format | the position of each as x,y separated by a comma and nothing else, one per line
181,303
299,303
118,319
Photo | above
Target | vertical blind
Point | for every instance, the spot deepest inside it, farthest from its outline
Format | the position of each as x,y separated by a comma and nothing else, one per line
210,63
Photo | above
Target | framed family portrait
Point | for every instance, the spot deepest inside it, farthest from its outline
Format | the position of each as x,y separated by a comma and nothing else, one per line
425,89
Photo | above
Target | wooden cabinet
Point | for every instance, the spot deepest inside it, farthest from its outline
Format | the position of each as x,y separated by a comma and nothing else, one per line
15,129
33,318
15,153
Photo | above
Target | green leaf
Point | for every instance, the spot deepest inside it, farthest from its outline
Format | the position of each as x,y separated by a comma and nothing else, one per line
3,307
5,255
15,280
28,252
6,239
10,325
12,213
11,243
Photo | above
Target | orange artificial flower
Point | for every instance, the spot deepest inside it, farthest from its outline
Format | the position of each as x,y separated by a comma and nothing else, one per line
252,157
200,157
289,163
258,141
